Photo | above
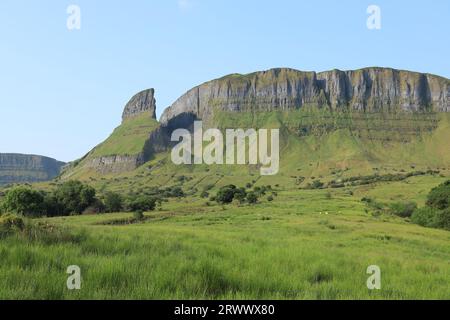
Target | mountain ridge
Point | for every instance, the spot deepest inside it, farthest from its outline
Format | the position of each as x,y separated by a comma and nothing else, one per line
366,89
281,90
22,168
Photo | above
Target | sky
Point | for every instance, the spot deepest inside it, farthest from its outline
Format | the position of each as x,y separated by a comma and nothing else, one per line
62,91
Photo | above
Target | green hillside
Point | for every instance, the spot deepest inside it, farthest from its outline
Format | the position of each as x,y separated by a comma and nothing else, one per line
127,139
314,145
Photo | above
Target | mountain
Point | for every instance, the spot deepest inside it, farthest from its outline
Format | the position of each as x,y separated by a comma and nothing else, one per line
19,168
355,122
368,90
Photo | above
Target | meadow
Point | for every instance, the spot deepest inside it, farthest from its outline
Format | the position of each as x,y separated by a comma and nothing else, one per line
305,244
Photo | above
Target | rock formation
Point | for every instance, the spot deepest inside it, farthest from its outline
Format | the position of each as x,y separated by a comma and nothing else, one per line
20,168
365,90
370,89
143,101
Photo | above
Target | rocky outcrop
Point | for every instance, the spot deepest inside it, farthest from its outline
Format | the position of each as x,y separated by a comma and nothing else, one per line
370,89
20,168
115,164
142,102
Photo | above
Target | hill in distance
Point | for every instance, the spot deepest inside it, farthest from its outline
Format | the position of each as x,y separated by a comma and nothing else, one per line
333,125
22,168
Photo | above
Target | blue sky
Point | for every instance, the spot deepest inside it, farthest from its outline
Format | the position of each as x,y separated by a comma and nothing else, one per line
62,92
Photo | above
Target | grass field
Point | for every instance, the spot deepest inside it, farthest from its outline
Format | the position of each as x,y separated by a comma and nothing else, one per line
306,244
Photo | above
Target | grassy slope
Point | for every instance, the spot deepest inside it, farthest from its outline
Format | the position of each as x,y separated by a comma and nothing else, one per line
283,249
325,156
127,139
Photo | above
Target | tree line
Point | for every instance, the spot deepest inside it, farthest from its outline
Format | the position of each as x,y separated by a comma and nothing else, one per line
72,198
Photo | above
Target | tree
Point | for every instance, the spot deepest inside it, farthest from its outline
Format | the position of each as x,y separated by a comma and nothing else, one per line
226,194
24,201
74,197
252,198
439,197
113,202
240,195
436,214
141,203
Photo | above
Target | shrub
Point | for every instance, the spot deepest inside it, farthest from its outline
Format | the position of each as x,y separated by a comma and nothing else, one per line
270,198
52,207
204,194
366,200
439,197
24,201
425,217
10,223
436,214
138,215
74,197
443,219
95,208
403,209
316,184
113,202
141,203
175,192
226,194
252,198
240,195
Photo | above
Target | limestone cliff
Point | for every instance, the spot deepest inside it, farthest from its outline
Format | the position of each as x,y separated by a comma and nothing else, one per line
20,168
370,89
143,101
124,150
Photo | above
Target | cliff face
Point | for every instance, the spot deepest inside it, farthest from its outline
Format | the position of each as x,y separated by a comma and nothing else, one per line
19,168
370,89
115,164
367,90
142,102
124,150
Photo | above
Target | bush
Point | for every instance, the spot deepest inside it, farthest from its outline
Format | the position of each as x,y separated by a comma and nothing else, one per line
24,201
443,219
270,198
204,194
316,184
403,209
425,217
113,202
95,208
436,214
141,203
73,197
226,194
240,195
138,215
175,192
52,207
439,197
10,223
252,198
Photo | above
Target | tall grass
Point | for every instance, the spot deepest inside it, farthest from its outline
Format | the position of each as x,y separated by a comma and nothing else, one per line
284,249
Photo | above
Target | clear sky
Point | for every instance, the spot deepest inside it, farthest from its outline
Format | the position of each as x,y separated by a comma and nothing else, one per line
62,92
